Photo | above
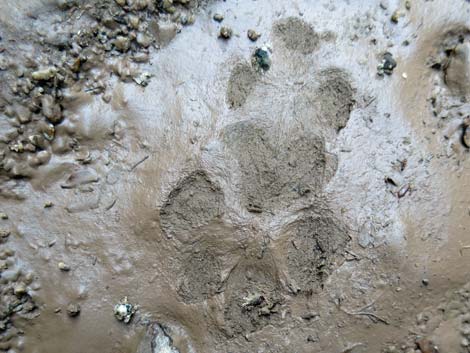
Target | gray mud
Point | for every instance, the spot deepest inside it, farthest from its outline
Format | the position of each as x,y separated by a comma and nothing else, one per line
194,202
274,172
317,244
326,104
335,97
297,35
150,171
241,84
253,296
201,276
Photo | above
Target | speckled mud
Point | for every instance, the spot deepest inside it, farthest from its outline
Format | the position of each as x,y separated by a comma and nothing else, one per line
309,205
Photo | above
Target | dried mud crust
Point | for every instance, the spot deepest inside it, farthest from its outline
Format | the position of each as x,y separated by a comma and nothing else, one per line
194,202
316,245
252,296
201,276
240,84
329,101
296,35
272,172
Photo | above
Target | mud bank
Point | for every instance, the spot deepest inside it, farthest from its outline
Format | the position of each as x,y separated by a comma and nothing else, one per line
270,190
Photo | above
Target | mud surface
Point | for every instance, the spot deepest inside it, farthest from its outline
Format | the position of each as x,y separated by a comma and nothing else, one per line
164,188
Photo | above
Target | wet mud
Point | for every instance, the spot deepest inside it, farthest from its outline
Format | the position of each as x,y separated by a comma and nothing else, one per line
209,176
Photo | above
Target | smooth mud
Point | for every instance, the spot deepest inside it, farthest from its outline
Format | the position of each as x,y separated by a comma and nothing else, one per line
263,176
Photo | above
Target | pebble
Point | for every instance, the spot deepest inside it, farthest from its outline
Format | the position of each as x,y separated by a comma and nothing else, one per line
168,6
144,40
17,147
134,21
63,266
425,281
218,17
48,204
122,43
44,75
3,215
387,65
28,278
261,59
48,132
225,32
253,35
395,16
73,309
19,290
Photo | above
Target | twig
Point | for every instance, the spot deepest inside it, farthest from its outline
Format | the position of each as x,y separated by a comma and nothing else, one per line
355,257
370,304
372,100
351,348
365,313
111,205
138,163
378,318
